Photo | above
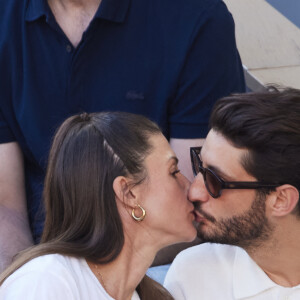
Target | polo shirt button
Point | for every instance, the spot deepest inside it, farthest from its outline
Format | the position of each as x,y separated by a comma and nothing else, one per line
69,48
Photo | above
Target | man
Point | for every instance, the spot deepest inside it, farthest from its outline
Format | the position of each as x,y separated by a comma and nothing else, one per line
168,60
246,195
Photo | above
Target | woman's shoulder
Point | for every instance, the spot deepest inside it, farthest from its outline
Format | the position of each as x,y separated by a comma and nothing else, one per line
45,277
48,263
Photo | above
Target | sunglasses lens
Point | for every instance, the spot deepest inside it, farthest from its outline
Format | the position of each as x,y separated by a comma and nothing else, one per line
213,184
195,163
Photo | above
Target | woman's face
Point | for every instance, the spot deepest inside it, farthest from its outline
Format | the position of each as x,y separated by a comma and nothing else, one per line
163,194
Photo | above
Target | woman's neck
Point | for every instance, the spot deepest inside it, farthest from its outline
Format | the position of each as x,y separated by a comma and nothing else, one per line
121,277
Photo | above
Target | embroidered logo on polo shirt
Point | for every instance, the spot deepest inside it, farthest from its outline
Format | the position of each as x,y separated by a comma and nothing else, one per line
134,95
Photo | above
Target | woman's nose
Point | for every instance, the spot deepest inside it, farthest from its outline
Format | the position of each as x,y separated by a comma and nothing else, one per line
198,191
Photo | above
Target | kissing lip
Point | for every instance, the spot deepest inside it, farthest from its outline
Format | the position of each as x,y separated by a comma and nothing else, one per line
192,211
198,217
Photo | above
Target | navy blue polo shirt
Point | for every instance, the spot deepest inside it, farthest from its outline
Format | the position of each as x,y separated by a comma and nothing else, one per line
169,60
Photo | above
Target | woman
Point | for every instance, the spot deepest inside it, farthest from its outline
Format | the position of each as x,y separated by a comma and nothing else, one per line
113,196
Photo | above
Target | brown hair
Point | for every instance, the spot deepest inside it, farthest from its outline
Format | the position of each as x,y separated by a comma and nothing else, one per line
82,220
268,125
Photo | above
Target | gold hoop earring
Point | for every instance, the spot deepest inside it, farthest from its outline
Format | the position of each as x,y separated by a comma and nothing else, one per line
141,218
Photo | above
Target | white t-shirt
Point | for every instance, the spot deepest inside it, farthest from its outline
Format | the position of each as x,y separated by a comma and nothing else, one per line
222,272
55,277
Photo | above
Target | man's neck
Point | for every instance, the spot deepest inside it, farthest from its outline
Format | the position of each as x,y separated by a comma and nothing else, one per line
74,16
77,3
279,256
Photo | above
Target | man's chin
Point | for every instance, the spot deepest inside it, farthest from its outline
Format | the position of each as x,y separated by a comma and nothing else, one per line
224,240
206,237
202,234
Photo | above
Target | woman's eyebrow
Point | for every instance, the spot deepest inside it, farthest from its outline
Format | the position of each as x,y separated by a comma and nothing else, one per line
174,158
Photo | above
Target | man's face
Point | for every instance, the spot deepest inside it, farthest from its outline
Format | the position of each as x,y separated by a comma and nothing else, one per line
237,217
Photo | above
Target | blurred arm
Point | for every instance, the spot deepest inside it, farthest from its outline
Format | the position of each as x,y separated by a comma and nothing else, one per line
15,234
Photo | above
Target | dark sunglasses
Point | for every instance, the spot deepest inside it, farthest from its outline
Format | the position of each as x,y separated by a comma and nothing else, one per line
214,184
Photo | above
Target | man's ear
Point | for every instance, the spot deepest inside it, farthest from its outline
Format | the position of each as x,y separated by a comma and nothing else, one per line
284,200
123,190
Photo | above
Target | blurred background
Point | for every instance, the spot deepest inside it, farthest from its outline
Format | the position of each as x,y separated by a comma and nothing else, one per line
268,39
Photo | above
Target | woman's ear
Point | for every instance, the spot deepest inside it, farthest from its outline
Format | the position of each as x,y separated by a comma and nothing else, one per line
123,190
284,200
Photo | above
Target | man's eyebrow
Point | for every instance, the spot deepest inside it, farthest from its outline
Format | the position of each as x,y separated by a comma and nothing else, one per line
220,173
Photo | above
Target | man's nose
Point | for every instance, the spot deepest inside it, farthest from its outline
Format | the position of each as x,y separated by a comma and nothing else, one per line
198,191
185,183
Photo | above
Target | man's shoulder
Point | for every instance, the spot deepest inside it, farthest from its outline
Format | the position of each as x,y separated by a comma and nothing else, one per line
11,16
188,8
186,18
202,268
12,8
202,5
183,10
204,260
206,252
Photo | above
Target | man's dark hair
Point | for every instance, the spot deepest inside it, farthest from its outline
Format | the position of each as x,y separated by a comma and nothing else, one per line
267,124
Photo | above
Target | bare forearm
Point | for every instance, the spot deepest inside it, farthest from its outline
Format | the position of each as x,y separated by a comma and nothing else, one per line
15,235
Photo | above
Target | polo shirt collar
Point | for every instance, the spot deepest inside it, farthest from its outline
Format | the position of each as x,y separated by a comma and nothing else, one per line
112,10
248,278
36,9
